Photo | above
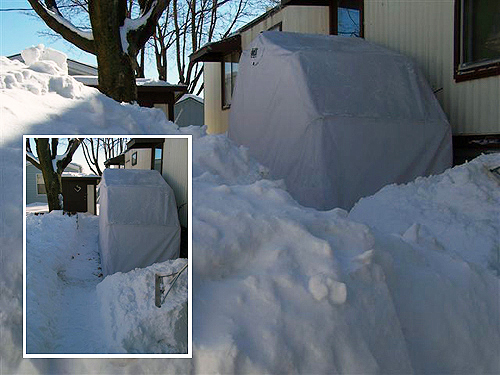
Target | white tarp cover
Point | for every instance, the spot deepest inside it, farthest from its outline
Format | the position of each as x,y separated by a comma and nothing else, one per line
337,118
138,222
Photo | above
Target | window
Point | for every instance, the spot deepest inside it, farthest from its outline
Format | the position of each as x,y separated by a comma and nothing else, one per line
349,22
134,158
229,73
277,27
40,185
158,152
477,39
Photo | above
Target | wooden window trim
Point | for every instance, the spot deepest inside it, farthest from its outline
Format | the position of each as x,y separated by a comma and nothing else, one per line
36,185
223,88
223,74
276,27
476,71
153,157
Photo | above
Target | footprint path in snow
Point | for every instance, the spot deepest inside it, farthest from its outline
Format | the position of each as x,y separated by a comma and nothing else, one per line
80,327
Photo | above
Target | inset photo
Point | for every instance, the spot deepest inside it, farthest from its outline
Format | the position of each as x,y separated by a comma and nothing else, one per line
107,255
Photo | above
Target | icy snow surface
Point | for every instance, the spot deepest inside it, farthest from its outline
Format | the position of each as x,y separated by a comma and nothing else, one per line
405,283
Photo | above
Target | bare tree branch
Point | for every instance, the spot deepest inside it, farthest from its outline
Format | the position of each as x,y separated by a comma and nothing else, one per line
53,18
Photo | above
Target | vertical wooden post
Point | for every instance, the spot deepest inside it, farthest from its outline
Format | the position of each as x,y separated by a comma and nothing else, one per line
334,17
158,281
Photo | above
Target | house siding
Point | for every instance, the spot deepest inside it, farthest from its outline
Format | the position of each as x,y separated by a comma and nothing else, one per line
188,112
424,31
301,19
143,159
32,195
175,172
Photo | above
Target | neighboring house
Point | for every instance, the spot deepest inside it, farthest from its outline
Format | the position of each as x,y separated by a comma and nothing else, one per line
150,93
35,186
189,110
456,43
168,156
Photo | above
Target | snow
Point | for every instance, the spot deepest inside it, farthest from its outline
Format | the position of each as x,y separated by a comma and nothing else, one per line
190,96
84,34
407,282
134,24
37,207
69,309
93,80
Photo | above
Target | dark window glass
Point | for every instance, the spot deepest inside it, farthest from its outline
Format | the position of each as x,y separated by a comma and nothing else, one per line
229,74
481,31
134,158
158,158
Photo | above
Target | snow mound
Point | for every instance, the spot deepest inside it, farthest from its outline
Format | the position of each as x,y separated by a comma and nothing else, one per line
457,211
133,324
39,76
219,160
45,60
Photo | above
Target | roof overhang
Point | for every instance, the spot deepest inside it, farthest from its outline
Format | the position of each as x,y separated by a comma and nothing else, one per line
89,179
117,160
351,4
144,143
215,51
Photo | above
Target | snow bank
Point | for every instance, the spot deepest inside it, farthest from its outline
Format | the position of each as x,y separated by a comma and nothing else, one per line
133,324
405,283
458,211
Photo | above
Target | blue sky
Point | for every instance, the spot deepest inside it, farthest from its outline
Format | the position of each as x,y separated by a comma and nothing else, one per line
21,29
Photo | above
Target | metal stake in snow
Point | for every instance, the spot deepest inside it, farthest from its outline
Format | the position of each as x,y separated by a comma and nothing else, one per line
160,286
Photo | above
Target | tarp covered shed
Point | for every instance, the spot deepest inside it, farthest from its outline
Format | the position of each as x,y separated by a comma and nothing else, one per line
337,118
138,221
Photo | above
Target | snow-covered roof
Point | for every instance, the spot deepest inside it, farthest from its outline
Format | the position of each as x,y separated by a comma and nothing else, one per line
70,165
75,68
145,82
190,96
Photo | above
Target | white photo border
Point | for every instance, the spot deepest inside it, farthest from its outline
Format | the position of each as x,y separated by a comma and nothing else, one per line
190,250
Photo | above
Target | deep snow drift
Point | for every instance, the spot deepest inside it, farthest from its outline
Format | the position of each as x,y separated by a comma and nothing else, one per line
69,310
279,288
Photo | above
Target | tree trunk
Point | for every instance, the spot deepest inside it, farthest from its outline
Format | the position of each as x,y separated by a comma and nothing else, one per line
115,67
53,185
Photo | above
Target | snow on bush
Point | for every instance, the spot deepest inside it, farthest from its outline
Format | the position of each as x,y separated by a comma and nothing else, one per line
405,283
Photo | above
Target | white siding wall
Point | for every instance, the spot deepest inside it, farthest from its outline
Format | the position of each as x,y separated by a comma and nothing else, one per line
302,19
248,35
424,30
143,159
216,118
306,19
175,172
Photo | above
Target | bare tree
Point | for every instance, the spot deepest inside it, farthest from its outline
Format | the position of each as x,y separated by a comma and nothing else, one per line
115,38
189,24
96,150
51,166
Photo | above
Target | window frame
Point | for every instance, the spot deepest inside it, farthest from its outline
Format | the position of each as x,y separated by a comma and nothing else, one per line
133,158
474,70
37,184
223,80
